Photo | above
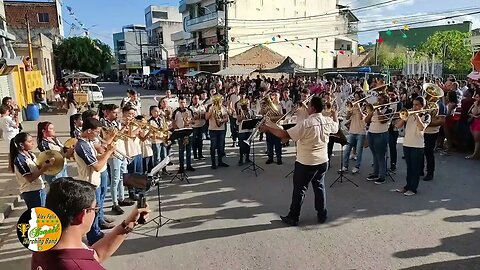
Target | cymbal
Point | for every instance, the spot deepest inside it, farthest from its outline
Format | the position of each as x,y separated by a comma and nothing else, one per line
58,162
70,143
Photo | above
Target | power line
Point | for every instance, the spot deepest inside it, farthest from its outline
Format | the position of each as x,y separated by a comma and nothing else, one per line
364,31
320,15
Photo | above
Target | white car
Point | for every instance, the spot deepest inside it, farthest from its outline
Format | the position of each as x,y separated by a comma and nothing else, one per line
94,92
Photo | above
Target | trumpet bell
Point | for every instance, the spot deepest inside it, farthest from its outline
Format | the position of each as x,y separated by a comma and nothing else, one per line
432,92
58,162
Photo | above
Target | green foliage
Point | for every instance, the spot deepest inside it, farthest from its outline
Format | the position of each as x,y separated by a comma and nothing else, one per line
458,55
388,57
83,54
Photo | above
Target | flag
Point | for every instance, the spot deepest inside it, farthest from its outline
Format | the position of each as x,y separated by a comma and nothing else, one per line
366,87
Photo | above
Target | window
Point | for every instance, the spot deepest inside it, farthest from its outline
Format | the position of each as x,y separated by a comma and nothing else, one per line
43,17
160,15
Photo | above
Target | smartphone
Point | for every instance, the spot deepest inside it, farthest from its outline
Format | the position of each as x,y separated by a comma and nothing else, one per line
141,203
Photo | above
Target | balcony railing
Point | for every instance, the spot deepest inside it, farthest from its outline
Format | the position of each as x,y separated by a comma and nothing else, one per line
206,21
200,51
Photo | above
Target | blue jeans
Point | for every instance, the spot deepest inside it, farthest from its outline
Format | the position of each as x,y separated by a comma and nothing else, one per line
354,140
197,143
95,233
104,179
117,169
158,148
135,166
414,160
244,147
182,148
274,142
62,173
217,142
378,145
34,198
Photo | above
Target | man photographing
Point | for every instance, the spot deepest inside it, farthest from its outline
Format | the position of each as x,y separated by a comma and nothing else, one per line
74,203
311,136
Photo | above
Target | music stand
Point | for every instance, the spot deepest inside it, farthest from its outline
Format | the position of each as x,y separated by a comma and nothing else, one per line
341,177
146,182
252,124
388,174
180,134
287,127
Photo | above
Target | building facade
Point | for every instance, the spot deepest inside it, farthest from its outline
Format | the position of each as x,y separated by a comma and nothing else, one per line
131,48
44,20
161,22
290,28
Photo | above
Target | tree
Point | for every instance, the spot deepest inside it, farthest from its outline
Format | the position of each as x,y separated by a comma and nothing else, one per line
83,54
458,54
388,57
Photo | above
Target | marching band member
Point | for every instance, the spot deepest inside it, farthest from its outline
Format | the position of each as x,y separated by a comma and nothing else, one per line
302,113
356,137
232,98
413,145
393,130
90,164
311,165
182,118
132,100
377,136
159,146
132,145
8,123
117,166
22,162
274,113
430,137
198,125
286,102
244,113
146,148
76,123
217,117
46,140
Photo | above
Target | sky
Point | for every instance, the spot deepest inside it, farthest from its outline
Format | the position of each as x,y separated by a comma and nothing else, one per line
105,17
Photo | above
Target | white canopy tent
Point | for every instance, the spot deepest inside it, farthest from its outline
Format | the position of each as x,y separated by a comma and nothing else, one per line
235,71
81,76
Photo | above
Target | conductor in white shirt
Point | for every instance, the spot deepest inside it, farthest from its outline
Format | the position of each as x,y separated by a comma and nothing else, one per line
311,136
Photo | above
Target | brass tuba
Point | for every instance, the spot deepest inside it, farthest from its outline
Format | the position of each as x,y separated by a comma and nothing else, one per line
217,109
432,92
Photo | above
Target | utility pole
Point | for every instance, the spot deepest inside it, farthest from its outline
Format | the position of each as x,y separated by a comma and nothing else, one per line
316,53
29,34
225,4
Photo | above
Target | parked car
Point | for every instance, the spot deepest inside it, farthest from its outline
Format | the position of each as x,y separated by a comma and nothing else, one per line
136,81
94,93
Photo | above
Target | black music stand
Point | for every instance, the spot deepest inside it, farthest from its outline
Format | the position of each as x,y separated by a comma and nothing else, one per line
252,124
180,134
388,174
342,173
287,127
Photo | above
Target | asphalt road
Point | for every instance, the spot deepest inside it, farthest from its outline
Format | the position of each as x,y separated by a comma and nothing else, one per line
229,219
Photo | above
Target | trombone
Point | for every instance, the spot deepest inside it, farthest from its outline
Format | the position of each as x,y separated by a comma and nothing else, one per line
294,111
431,108
117,154
370,108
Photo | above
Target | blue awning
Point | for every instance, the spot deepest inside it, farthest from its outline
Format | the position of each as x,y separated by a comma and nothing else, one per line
158,72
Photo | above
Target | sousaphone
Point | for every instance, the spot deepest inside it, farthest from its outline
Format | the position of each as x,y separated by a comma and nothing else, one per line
432,92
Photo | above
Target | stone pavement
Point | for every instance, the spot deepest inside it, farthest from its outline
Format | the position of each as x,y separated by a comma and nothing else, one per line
230,220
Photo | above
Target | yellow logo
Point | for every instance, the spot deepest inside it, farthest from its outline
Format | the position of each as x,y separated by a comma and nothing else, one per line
39,229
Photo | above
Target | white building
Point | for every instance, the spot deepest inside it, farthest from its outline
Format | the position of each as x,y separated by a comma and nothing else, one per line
289,27
161,22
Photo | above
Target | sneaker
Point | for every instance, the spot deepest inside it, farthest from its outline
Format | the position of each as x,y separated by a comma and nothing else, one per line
409,193
190,169
343,169
133,196
322,218
289,221
355,170
126,202
428,177
106,226
279,162
221,164
372,177
214,167
270,161
400,190
108,219
380,181
392,170
117,210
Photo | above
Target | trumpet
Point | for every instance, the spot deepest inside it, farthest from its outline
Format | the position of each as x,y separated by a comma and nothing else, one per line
117,154
370,108
119,135
350,104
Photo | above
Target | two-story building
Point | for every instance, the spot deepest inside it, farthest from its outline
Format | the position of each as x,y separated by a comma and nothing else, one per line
290,28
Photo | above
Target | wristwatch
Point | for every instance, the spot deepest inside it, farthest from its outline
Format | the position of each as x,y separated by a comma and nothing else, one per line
127,228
